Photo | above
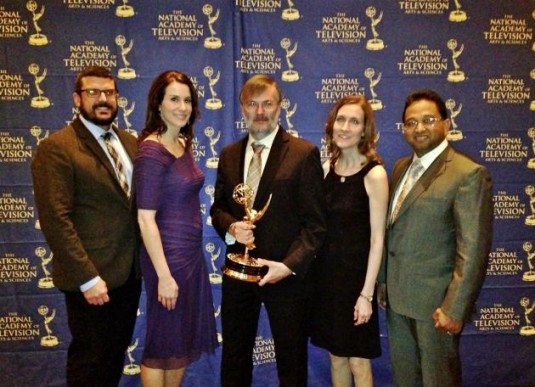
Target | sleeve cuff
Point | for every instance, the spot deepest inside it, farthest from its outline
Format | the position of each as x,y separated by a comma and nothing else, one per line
89,284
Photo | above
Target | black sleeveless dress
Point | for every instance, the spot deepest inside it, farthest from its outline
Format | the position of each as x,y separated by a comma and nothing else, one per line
339,271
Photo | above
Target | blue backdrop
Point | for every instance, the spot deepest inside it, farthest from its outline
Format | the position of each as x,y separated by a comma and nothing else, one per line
479,55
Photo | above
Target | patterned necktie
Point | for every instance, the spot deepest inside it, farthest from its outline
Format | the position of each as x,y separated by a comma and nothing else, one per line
416,170
255,169
119,168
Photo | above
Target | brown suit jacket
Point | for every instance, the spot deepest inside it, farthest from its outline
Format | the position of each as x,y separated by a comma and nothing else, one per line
88,221
437,249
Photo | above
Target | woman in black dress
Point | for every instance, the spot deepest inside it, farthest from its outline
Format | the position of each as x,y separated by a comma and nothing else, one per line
344,318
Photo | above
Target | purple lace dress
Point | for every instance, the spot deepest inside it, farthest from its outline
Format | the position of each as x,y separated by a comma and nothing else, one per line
171,186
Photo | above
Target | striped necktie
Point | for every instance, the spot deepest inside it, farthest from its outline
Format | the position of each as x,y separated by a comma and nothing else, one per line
416,170
119,168
255,169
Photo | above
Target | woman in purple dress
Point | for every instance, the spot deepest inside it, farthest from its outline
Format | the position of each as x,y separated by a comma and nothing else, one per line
180,315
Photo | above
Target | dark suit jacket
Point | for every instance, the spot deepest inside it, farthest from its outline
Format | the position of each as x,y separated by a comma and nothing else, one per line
88,221
293,227
437,249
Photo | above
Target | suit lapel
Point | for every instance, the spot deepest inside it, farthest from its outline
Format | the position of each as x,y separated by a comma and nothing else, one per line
437,168
397,176
277,153
131,150
400,171
238,162
129,146
92,144
94,147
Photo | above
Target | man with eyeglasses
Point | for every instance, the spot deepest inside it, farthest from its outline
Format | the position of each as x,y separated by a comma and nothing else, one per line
82,187
437,246
286,238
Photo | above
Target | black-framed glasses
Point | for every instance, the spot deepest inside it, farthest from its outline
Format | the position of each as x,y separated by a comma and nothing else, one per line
428,122
95,93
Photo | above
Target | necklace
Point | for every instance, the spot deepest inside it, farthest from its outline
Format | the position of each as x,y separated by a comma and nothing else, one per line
350,171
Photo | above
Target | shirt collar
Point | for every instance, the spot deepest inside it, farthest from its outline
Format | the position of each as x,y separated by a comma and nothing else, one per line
95,130
431,156
266,141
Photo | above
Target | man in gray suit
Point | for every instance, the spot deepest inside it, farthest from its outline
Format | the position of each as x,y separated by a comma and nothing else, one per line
84,198
437,246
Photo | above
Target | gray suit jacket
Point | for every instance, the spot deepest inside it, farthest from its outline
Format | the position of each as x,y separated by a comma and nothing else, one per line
437,249
87,219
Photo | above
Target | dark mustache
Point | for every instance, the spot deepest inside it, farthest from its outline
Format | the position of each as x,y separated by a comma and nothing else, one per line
102,104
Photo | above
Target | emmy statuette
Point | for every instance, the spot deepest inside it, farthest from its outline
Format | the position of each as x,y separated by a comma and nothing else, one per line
242,266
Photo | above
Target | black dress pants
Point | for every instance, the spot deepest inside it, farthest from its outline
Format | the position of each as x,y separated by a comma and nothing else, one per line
240,309
100,336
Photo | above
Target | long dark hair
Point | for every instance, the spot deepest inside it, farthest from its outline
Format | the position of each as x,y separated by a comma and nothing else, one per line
367,144
153,120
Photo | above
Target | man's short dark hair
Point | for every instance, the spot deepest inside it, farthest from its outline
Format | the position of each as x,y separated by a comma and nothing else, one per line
93,71
429,95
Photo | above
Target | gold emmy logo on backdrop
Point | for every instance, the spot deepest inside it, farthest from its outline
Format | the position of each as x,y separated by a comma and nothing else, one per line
209,190
289,75
131,368
36,132
528,329
375,103
455,75
124,10
454,134
212,162
122,102
212,42
45,282
37,39
375,43
531,134
126,72
285,105
40,101
458,15
290,13
215,277
530,219
529,276
212,103
49,340
243,266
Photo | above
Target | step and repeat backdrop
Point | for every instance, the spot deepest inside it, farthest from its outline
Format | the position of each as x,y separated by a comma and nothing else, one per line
479,55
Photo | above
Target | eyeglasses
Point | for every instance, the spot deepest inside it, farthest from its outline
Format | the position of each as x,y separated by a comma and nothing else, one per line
428,122
266,105
95,93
